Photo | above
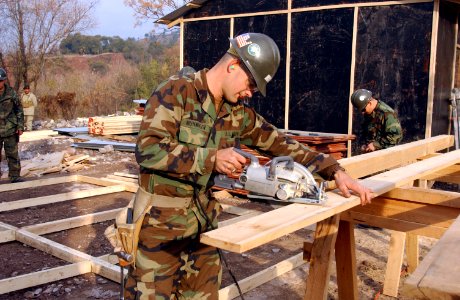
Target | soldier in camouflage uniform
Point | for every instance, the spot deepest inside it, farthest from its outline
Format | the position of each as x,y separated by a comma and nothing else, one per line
11,126
381,126
191,124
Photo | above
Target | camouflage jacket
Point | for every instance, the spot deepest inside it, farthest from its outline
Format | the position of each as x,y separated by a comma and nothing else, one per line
11,113
382,127
182,130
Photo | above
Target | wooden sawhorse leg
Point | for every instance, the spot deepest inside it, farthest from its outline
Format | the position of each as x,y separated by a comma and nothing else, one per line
321,258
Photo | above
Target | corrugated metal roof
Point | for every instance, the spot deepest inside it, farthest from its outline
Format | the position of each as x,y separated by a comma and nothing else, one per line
181,11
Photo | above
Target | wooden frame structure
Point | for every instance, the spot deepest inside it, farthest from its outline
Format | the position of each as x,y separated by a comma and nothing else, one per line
334,221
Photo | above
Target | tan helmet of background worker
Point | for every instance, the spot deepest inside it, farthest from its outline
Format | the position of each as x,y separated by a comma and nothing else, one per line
191,125
381,127
29,103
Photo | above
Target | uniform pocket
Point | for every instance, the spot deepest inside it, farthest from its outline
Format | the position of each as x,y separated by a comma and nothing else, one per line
166,223
193,132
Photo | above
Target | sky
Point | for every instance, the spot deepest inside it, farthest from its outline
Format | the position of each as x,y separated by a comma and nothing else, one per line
113,18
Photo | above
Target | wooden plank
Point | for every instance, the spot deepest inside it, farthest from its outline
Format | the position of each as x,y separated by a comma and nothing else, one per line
450,174
7,233
135,176
394,262
373,162
410,211
253,281
42,277
122,179
256,231
345,257
69,223
429,196
34,183
412,252
321,258
438,275
129,187
66,253
395,224
7,206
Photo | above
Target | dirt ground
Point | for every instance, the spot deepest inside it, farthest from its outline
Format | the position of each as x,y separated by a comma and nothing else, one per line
17,258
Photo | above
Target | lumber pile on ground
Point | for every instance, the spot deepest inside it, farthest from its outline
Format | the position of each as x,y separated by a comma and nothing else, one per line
114,125
52,163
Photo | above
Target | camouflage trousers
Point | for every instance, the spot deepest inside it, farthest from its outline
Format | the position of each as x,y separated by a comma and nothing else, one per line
10,144
171,263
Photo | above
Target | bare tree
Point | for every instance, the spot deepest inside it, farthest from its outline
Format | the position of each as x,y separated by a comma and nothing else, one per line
147,10
34,28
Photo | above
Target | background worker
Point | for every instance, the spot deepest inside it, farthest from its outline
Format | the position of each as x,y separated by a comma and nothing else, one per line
11,126
190,127
29,103
381,126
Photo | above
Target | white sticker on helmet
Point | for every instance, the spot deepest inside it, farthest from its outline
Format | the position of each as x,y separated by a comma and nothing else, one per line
268,78
254,50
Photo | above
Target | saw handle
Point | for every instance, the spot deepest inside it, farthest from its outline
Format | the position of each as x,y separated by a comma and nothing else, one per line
253,158
275,161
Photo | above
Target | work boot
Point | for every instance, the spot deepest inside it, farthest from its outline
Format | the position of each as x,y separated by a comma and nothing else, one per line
16,179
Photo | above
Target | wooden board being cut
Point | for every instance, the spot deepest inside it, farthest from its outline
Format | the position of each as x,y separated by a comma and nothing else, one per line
248,234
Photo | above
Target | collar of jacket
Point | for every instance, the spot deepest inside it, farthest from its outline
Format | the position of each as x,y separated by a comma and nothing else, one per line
201,86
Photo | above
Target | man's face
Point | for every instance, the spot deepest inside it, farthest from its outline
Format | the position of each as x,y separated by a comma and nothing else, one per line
2,84
26,91
241,84
367,110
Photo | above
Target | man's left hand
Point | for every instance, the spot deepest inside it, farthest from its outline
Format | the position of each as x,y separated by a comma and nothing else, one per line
19,132
345,183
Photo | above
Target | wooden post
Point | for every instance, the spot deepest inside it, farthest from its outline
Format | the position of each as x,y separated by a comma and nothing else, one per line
345,258
412,252
395,259
321,256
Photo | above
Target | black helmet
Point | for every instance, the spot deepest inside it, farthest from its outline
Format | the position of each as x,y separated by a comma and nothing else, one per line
260,54
360,98
2,74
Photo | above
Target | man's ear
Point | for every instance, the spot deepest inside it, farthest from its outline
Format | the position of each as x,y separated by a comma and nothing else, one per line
232,64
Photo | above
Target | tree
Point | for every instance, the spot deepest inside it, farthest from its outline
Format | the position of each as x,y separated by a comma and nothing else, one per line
34,28
147,10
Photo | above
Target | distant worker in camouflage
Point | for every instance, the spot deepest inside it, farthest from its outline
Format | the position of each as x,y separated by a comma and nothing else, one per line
11,126
381,126
191,124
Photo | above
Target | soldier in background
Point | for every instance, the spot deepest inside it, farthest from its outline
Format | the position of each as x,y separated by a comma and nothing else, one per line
381,126
11,126
190,126
29,103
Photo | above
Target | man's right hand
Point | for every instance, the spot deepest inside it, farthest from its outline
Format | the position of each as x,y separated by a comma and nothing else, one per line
229,161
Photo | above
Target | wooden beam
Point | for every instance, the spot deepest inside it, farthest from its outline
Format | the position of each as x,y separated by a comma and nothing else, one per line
394,263
438,275
34,183
42,277
345,257
66,253
412,252
373,162
7,206
129,187
261,229
253,281
395,224
321,258
428,196
69,223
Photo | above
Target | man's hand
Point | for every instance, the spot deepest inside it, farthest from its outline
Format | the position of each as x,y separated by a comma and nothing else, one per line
19,132
345,183
229,161
368,148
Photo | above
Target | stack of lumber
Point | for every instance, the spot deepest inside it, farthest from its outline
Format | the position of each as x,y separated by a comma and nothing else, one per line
52,163
114,125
